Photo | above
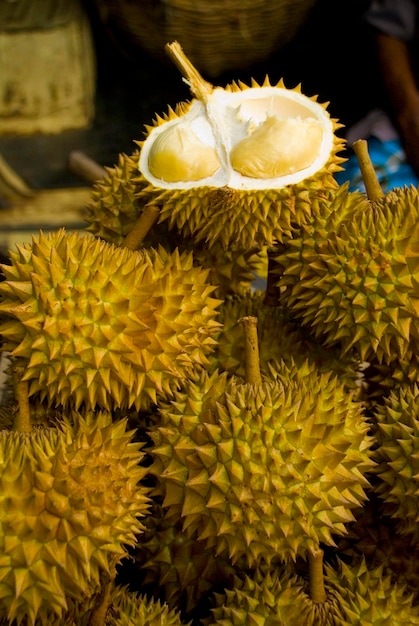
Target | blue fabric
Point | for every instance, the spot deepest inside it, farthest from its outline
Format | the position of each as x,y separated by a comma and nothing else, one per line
389,162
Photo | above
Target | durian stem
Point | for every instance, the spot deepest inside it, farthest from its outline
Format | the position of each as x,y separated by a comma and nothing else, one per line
22,421
316,580
369,175
199,87
136,236
251,349
98,616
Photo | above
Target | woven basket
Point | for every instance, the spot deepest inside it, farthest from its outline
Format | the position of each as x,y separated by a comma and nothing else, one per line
217,35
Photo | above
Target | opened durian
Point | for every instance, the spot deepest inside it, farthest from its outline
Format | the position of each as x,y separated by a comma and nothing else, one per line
102,325
238,165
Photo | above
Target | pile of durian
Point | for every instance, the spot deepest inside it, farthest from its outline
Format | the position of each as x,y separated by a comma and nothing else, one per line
212,399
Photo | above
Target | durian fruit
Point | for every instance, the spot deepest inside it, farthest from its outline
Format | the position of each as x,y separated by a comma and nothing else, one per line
279,337
238,165
264,468
115,207
102,325
351,276
233,272
125,608
375,537
355,596
397,435
130,609
71,503
181,569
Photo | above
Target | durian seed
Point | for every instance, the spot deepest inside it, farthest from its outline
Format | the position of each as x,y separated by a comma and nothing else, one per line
278,147
251,349
142,226
22,421
369,175
316,580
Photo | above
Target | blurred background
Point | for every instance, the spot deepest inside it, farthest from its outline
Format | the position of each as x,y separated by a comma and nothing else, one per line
85,76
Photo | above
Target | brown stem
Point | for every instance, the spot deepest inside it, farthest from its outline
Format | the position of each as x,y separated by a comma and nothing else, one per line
22,421
316,581
198,86
369,175
98,616
136,236
251,349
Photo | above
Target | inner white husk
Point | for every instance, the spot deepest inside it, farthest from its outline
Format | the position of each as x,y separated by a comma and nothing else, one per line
227,118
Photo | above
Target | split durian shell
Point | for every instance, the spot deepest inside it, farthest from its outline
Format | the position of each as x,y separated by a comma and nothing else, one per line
241,167
262,471
71,503
102,325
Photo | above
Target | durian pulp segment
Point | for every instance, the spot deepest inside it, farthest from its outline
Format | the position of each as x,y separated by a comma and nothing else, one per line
261,137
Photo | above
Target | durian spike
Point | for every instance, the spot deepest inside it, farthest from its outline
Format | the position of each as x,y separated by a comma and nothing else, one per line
136,236
251,350
22,420
316,576
369,175
198,86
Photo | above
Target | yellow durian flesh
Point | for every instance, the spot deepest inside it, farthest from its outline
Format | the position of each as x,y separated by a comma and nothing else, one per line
278,147
264,137
178,154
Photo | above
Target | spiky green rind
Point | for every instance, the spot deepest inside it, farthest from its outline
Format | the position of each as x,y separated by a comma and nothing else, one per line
103,325
367,597
70,505
115,205
277,598
262,471
376,537
355,596
182,567
279,337
397,425
238,219
232,272
356,281
241,219
125,608
130,609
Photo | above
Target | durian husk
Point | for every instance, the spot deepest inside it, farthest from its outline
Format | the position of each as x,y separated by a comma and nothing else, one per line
100,325
280,337
350,276
397,426
181,569
262,471
355,596
71,505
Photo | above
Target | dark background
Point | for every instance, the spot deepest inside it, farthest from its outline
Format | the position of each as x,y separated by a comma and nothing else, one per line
331,56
